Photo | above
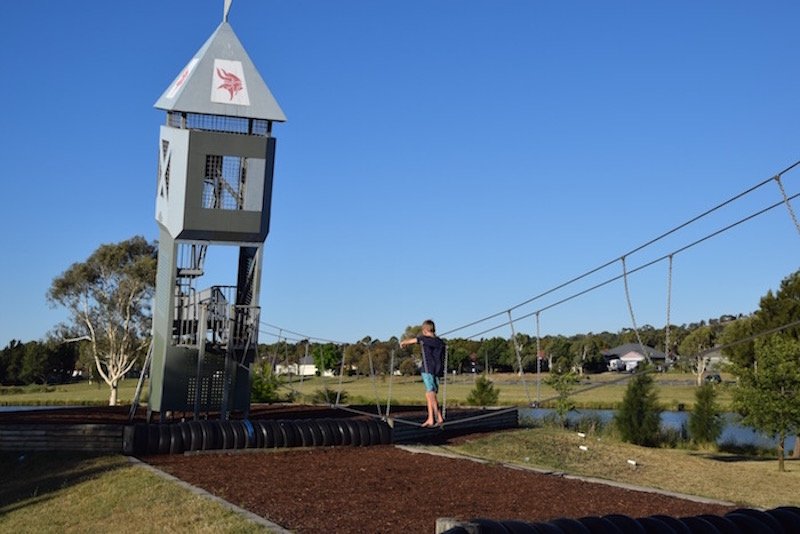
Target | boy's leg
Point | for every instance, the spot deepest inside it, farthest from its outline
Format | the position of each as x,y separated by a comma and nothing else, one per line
433,408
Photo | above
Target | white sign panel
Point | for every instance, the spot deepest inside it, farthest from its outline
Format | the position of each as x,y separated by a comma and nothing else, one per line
181,79
228,85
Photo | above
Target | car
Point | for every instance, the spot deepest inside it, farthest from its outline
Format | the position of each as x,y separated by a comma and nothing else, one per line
713,379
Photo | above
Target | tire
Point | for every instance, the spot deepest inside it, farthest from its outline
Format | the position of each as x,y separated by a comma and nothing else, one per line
176,439
164,438
316,432
344,432
355,432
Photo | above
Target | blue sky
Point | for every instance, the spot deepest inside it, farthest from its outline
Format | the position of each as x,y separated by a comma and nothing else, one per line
441,159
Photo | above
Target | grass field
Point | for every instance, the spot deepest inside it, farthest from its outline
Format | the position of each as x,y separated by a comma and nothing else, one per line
52,492
595,391
748,481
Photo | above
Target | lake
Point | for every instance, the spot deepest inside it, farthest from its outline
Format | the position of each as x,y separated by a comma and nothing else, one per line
732,433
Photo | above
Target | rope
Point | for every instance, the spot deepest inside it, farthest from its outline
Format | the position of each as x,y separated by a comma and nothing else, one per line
538,361
341,376
391,378
630,309
786,201
669,306
372,376
444,384
632,251
519,356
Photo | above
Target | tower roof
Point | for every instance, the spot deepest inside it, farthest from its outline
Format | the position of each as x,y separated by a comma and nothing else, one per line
221,80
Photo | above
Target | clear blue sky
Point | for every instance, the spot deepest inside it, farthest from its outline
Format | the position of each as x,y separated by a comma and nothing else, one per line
441,159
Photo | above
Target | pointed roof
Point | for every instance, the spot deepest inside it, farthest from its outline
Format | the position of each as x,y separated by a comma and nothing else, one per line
221,80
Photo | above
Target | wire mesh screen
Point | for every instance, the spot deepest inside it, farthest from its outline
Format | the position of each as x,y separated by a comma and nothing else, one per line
163,168
223,185
218,123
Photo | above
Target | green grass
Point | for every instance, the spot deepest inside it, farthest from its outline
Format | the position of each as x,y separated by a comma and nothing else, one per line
594,391
52,492
747,481
674,389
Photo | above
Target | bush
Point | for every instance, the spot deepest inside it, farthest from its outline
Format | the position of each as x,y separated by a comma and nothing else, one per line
484,393
265,386
705,421
639,418
327,395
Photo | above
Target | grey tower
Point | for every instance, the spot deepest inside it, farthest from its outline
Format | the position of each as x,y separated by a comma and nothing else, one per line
215,166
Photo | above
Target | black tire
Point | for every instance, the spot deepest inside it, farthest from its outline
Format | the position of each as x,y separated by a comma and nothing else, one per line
211,436
600,525
176,439
140,438
762,517
278,437
655,526
363,428
186,435
625,523
316,432
196,442
355,432
722,524
344,432
250,436
788,517
696,524
290,437
570,526
385,432
164,438
260,435
239,435
748,523
674,523
327,432
152,439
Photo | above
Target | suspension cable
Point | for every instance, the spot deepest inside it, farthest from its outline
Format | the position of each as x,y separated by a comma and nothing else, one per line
630,310
786,201
630,252
669,306
519,356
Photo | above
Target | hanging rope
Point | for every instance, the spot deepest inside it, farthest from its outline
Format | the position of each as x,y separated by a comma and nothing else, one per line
391,378
538,361
786,201
669,307
444,386
519,356
372,376
630,309
341,377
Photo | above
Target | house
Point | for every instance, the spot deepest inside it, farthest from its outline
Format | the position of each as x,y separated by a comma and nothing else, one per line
305,367
633,353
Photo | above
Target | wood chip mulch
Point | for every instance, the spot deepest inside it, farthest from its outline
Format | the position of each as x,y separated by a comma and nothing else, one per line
387,489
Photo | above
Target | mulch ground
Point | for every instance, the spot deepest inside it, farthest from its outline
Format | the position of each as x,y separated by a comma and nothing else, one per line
387,489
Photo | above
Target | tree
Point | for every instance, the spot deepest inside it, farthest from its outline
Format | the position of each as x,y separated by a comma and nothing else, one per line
325,356
484,393
768,396
563,382
108,297
705,421
692,350
639,418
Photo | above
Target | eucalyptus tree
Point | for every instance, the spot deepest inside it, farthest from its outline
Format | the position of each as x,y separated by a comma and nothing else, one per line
108,297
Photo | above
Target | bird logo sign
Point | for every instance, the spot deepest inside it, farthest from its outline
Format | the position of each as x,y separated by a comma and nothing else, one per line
228,85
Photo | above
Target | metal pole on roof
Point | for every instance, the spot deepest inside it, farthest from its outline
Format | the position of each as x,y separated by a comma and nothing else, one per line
227,9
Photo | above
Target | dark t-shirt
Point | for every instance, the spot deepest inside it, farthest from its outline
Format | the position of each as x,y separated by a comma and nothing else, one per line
432,355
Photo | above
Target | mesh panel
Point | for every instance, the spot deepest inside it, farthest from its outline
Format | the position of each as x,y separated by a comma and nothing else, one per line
223,183
218,123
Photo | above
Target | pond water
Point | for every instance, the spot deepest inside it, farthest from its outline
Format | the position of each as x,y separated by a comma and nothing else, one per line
733,433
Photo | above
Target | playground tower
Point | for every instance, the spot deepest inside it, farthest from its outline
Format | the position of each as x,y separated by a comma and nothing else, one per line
215,164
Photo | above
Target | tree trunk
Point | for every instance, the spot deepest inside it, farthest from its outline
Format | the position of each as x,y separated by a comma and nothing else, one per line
796,451
112,399
781,453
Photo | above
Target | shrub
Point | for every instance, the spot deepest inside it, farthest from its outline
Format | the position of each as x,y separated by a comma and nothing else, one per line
265,386
484,393
705,421
327,395
639,418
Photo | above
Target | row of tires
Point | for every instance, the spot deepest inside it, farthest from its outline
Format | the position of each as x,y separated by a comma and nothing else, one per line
776,521
177,438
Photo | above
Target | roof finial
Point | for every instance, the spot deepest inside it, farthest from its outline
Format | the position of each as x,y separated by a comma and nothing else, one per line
227,9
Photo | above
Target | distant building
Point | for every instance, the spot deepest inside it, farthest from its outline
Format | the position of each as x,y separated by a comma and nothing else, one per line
634,352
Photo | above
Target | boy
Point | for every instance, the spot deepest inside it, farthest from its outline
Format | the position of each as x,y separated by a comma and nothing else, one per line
432,349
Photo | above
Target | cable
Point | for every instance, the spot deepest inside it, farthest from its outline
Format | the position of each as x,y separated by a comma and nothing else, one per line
632,251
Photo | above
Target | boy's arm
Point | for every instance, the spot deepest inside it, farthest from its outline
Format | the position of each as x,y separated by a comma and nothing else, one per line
409,341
